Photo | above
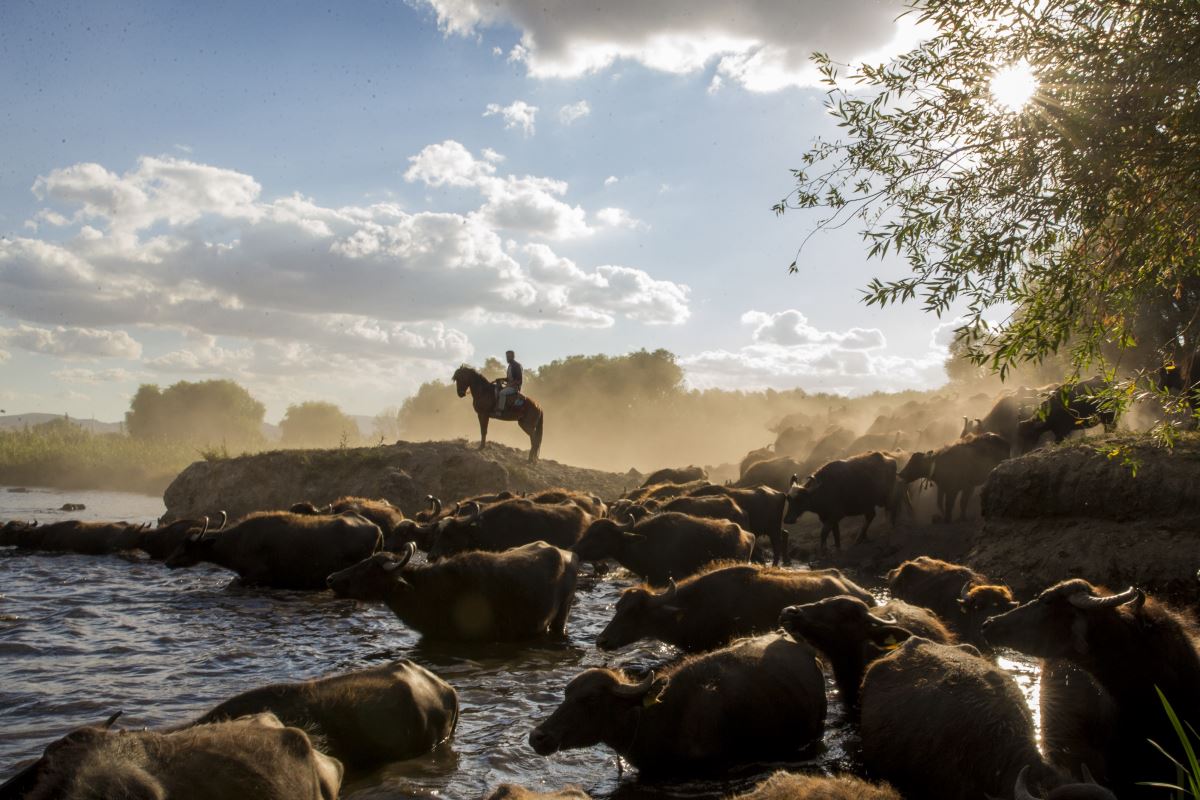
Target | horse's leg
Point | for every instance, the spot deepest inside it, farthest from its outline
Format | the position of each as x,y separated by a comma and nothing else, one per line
483,423
535,439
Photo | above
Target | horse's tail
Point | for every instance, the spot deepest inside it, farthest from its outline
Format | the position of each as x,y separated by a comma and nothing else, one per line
535,441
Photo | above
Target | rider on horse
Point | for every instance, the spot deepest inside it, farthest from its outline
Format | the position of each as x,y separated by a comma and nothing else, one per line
511,382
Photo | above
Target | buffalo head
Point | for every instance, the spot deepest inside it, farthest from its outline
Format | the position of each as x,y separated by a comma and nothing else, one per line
1059,623
598,706
640,613
372,579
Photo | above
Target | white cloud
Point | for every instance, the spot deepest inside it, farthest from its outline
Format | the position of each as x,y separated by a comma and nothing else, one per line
764,45
789,328
610,180
524,204
787,351
4,356
285,286
72,342
619,218
519,115
573,112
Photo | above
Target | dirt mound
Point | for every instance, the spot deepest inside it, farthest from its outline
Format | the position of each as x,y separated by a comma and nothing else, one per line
1116,511
403,473
1112,478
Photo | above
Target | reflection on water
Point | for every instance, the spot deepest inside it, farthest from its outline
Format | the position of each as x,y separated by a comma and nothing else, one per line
82,637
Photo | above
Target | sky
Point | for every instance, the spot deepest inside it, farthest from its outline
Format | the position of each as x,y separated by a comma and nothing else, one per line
340,201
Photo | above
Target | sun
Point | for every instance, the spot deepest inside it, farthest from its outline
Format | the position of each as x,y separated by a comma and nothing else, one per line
1012,86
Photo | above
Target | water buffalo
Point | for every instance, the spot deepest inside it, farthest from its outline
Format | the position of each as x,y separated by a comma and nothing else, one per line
164,540
1072,408
765,507
588,502
941,721
848,488
676,475
962,597
753,457
794,441
793,786
957,469
363,718
709,610
73,536
665,546
774,472
770,702
283,550
381,512
851,634
1007,413
509,791
1132,645
248,757
663,491
1079,720
508,524
520,594
834,443
709,507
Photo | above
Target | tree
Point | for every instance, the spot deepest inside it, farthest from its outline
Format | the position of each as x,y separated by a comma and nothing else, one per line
207,412
317,424
1079,208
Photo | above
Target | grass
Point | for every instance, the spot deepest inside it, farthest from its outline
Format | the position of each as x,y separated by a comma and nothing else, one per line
1188,774
63,455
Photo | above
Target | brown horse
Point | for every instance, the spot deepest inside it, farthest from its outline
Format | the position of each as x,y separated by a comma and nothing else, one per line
483,397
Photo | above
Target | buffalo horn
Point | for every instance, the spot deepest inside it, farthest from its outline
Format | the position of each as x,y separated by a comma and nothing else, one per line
204,527
1087,774
108,723
478,509
668,594
224,519
626,526
1021,790
966,590
885,620
435,505
457,507
409,549
795,479
1087,602
635,689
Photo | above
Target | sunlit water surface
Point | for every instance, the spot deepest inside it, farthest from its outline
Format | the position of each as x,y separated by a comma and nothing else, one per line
82,637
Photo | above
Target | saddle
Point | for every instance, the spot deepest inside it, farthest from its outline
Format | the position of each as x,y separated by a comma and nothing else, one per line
514,402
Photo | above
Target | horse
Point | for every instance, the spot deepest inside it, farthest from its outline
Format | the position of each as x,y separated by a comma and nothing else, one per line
483,397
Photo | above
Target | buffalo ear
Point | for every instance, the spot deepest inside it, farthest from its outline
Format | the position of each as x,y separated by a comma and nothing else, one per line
195,537
391,565
888,637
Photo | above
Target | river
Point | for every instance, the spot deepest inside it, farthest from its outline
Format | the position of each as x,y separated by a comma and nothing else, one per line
82,637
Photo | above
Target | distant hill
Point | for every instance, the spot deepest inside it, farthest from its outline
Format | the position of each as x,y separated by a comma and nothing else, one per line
19,421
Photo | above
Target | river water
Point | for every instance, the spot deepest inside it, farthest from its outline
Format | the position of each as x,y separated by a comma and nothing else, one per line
82,637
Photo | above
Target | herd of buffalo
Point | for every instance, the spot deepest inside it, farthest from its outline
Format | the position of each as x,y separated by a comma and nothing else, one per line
937,717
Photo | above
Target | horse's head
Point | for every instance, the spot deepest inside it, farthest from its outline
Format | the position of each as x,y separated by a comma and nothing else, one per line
462,380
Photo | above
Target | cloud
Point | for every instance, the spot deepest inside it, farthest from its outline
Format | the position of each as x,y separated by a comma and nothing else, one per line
525,204
790,328
619,218
284,286
519,115
97,376
762,45
72,342
786,351
573,112
4,356
610,180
